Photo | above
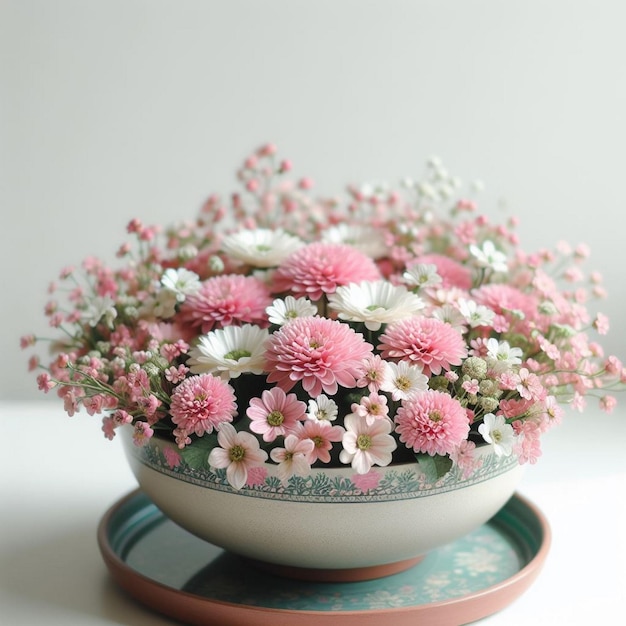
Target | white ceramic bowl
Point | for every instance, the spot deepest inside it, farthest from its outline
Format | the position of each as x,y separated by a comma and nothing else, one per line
327,522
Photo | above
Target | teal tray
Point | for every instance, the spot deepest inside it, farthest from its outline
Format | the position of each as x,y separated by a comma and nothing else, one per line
177,574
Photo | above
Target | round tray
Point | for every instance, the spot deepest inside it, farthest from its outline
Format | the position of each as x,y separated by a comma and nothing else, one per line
190,580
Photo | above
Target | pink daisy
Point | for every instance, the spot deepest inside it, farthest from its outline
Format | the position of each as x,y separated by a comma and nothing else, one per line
452,273
552,413
225,300
432,422
323,434
366,444
424,341
373,373
372,407
319,268
275,413
201,403
319,352
239,452
293,459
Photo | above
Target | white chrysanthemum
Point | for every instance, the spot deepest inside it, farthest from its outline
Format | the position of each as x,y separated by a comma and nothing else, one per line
260,247
501,356
181,282
403,379
475,314
498,433
374,303
449,314
322,408
422,275
283,311
489,256
366,239
230,351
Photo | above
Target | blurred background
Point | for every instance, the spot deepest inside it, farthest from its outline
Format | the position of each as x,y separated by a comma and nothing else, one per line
114,109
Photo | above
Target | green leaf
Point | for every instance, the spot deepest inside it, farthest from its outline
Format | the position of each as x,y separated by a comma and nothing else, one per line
434,467
196,454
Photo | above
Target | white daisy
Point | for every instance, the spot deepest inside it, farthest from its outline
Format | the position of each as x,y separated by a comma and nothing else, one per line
260,247
230,351
322,408
181,282
450,315
367,239
475,314
283,311
422,275
374,303
498,433
403,379
500,355
489,256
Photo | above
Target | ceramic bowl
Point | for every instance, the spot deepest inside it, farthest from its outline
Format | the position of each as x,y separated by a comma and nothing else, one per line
334,523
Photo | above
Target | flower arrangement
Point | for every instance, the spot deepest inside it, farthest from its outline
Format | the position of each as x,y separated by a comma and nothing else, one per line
387,325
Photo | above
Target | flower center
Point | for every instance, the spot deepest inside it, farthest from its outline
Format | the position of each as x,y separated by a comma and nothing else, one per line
318,441
403,383
237,453
373,307
364,442
235,355
435,416
275,418
496,435
263,247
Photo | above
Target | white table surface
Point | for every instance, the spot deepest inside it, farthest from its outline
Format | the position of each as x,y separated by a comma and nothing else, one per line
59,475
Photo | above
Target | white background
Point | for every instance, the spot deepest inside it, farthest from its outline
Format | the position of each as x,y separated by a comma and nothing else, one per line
140,108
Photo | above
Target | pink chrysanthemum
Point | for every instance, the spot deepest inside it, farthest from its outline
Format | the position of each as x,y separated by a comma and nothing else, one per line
452,273
432,422
424,341
225,300
319,268
505,298
319,352
275,413
201,403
